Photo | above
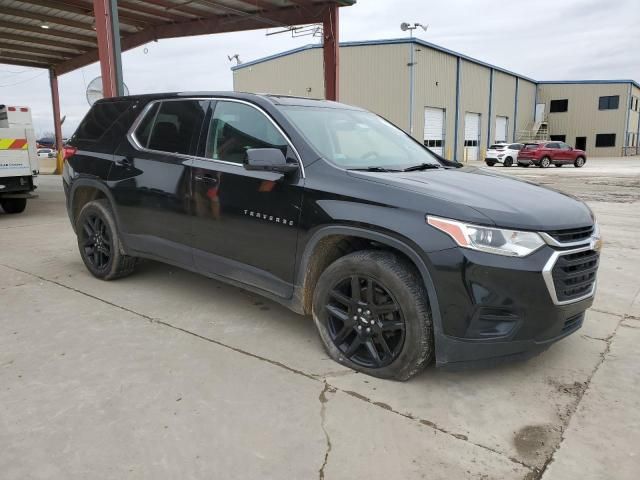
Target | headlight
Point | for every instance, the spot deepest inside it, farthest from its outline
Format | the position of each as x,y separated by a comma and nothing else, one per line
500,241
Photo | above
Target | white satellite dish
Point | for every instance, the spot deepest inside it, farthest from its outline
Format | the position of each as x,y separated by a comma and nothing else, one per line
94,90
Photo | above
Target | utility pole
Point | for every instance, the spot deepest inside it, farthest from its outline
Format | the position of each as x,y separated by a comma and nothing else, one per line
404,26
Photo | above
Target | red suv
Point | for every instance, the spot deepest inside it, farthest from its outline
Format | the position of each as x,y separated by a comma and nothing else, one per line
544,154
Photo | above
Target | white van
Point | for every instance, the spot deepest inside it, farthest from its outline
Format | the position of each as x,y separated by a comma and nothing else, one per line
19,165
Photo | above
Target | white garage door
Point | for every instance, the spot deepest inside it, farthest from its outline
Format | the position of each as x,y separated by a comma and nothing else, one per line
501,128
471,135
434,129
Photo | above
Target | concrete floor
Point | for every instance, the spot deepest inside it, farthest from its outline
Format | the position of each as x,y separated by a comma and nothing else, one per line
166,374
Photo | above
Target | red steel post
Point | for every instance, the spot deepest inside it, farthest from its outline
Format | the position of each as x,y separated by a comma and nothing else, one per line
106,54
57,124
331,52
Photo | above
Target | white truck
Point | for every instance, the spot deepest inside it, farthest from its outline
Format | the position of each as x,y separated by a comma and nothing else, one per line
19,165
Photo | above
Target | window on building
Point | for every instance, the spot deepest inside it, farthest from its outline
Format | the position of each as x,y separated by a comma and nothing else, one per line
559,106
609,103
471,143
433,143
558,138
236,127
176,126
606,140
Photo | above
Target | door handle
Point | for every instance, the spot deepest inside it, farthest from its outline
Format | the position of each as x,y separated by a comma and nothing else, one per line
125,162
206,178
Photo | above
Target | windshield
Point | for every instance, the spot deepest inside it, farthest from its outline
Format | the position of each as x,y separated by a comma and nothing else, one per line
357,139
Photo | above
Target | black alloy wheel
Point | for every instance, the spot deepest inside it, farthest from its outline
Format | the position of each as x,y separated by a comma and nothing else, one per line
96,241
508,162
365,322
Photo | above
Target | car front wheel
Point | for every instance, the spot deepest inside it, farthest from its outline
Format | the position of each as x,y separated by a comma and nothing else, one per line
579,162
372,313
508,162
489,163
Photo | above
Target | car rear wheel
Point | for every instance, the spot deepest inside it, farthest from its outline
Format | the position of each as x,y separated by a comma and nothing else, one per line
579,162
99,243
508,162
13,205
372,314
545,162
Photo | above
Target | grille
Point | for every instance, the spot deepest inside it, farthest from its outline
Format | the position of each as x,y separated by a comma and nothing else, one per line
574,274
571,235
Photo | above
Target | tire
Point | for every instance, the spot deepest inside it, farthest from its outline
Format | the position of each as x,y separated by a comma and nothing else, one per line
508,162
408,332
579,163
491,164
525,165
13,205
558,164
99,242
545,162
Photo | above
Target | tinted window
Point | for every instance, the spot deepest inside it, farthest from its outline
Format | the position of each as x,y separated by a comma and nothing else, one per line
235,128
606,140
497,146
564,146
144,128
516,146
559,106
552,145
176,126
98,120
609,102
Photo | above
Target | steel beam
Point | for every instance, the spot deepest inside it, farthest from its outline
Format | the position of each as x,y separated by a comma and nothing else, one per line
218,24
57,124
20,61
331,50
106,14
76,49
76,37
15,12
37,52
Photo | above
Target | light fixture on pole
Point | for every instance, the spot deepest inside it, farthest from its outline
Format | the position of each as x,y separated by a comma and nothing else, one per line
404,26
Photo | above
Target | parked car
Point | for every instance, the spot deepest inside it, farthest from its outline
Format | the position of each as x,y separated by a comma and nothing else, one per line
398,255
544,154
504,153
46,153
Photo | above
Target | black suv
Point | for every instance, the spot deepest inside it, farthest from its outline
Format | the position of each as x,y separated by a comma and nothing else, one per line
400,255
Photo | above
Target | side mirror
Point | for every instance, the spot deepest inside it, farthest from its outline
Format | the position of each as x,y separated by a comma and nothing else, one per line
268,159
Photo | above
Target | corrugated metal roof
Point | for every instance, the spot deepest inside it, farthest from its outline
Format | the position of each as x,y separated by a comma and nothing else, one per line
424,44
61,35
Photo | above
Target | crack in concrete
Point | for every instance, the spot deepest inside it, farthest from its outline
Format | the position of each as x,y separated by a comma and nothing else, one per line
323,413
314,377
564,425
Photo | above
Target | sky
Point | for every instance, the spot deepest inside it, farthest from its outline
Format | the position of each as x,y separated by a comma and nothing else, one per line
541,39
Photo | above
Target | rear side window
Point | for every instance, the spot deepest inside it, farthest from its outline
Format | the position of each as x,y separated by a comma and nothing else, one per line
531,146
172,126
235,128
552,145
497,146
516,146
99,119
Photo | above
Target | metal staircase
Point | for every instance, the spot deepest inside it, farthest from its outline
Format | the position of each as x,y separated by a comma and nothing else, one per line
535,132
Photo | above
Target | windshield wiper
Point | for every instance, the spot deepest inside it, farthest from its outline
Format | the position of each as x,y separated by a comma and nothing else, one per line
374,169
422,166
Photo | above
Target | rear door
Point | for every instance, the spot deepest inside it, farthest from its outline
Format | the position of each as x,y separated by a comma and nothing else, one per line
565,153
434,123
245,222
471,136
151,179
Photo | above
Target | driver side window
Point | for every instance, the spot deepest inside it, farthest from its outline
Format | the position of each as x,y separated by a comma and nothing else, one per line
235,128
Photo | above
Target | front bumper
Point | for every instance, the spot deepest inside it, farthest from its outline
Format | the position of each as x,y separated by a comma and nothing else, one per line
495,308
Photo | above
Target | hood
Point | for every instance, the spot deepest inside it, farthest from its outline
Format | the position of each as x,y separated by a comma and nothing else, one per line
508,202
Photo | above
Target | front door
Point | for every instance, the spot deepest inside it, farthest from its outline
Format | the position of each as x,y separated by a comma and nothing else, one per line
245,223
581,143
151,180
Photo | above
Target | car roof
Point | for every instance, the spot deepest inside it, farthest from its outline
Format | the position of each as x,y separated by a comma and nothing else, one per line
273,99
